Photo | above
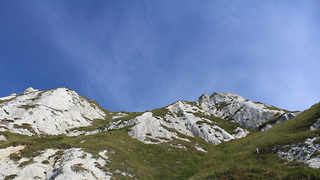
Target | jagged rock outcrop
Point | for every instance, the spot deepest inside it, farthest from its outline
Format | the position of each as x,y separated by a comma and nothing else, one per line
307,152
177,118
30,90
216,118
315,125
57,111
230,106
278,119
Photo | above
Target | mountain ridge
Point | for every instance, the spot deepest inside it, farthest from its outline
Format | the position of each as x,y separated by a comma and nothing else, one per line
200,129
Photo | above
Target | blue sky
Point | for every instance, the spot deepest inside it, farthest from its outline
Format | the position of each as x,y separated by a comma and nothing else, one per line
137,55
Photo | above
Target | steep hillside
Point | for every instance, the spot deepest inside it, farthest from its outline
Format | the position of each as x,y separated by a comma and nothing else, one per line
286,151
49,112
58,134
253,115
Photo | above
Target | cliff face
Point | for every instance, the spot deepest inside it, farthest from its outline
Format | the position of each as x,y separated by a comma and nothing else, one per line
180,121
230,106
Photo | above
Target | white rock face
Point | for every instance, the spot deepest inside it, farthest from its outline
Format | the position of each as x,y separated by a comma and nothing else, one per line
74,164
228,106
233,107
306,152
50,112
3,138
283,117
199,148
5,153
316,125
119,115
153,129
30,90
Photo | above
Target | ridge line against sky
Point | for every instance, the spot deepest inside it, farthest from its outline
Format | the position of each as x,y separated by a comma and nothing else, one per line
140,55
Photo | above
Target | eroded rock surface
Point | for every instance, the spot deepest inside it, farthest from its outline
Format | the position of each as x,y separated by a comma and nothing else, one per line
235,108
307,152
50,112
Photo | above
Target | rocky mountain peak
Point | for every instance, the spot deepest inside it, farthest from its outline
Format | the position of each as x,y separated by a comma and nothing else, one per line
46,112
30,90
177,129
230,106
221,98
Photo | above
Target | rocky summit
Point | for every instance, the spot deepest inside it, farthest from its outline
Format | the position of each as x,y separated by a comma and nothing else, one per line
59,134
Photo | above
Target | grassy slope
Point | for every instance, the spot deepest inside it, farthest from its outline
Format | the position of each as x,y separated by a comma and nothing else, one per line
125,153
238,160
230,160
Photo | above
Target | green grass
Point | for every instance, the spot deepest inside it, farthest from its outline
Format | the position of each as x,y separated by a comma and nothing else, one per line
195,103
25,126
125,153
317,141
45,162
25,163
78,168
272,121
224,124
12,176
95,124
161,112
220,106
26,107
236,159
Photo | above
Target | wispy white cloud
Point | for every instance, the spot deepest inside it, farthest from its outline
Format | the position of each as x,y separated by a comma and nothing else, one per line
143,55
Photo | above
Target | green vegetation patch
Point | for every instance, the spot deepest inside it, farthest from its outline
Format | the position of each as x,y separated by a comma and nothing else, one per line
78,168
24,126
162,112
224,124
236,159
25,163
272,121
220,106
12,176
317,141
195,103
26,107
6,121
95,124
45,162
14,157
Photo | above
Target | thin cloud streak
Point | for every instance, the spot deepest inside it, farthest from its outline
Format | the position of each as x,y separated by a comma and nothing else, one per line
142,55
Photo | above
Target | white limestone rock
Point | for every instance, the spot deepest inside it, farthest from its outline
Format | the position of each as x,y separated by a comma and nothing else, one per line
283,117
315,125
240,133
148,127
77,164
153,129
199,148
5,153
50,112
307,152
74,163
13,95
30,90
119,115
3,138
233,107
